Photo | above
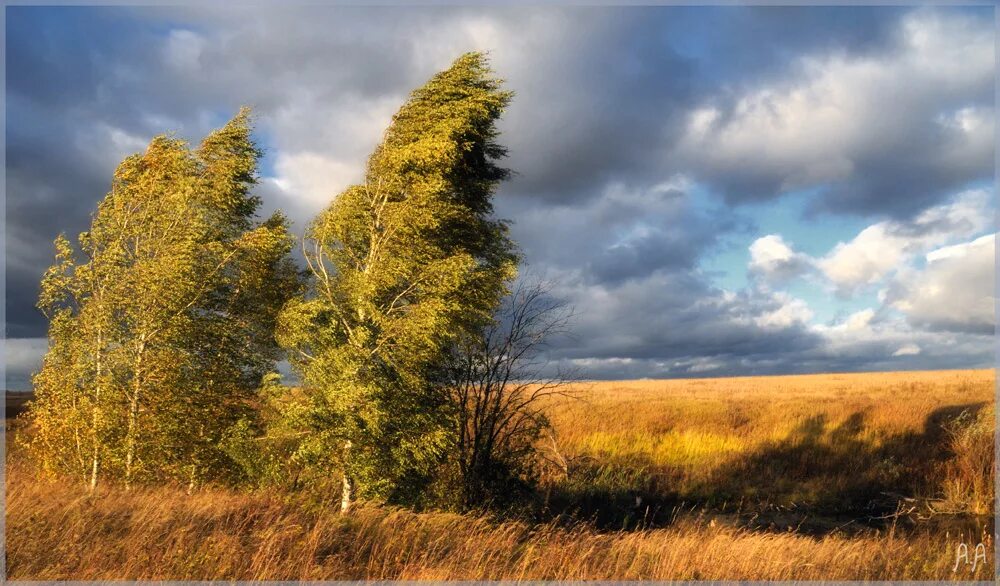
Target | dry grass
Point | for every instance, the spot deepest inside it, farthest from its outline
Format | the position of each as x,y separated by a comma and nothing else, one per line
56,533
813,444
756,409
827,442
969,480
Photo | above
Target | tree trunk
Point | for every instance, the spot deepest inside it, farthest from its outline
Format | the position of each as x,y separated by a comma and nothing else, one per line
95,436
94,466
347,483
133,416
76,437
347,489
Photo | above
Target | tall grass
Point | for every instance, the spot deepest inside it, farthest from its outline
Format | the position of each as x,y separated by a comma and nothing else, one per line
56,532
650,470
838,443
969,477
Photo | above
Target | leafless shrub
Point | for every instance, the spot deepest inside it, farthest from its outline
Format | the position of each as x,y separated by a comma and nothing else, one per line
497,384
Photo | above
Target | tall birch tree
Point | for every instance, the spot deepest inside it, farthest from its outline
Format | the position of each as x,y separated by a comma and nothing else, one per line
160,325
399,265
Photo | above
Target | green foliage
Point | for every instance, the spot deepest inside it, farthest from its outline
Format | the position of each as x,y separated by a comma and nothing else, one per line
263,446
400,266
160,328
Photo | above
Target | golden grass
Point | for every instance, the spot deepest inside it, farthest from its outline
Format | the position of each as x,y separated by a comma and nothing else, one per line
54,532
760,408
804,443
784,440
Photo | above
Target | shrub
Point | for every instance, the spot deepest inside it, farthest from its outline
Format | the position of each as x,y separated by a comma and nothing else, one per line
969,478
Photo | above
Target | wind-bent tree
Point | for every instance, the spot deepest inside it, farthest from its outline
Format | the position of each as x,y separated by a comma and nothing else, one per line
160,329
400,266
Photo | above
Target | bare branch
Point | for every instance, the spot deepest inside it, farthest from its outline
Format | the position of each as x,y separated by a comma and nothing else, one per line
498,383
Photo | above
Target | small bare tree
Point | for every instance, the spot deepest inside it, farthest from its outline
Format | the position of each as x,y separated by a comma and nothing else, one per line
497,383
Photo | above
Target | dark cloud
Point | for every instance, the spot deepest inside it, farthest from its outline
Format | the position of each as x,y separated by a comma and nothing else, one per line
670,316
758,43
676,324
890,132
624,232
600,134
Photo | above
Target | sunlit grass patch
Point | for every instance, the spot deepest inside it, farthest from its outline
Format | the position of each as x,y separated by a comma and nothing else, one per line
678,448
834,440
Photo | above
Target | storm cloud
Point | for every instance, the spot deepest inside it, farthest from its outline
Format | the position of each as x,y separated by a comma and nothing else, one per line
647,143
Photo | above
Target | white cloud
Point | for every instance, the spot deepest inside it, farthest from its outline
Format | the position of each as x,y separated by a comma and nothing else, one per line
183,50
882,343
790,312
311,178
907,350
693,365
886,121
774,259
958,251
859,320
937,294
865,260
954,291
882,248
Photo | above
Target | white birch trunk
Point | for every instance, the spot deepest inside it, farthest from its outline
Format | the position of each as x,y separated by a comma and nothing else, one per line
95,452
133,416
347,484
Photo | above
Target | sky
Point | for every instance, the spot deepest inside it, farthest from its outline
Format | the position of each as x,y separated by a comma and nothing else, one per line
716,191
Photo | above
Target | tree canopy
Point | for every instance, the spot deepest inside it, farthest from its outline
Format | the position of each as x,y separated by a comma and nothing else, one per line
399,266
160,324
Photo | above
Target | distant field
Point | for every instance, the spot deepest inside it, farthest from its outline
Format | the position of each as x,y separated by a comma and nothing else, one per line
14,403
832,444
871,476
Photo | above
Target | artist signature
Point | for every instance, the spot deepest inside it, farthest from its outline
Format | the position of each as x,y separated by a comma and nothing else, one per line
970,558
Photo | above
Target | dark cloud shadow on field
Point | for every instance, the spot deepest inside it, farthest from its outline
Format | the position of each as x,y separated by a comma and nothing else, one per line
820,478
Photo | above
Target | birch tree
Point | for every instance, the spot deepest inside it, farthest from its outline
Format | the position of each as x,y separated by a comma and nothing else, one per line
159,327
399,265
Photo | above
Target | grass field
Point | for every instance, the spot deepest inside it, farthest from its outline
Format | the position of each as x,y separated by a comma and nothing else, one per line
868,476
830,444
